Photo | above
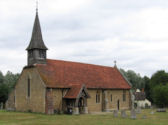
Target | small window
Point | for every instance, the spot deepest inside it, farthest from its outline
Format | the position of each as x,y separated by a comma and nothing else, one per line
97,97
30,53
124,95
42,54
111,97
28,87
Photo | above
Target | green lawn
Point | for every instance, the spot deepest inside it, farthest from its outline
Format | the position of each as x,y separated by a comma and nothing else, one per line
18,118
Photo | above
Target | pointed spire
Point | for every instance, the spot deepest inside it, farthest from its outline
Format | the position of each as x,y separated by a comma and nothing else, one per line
36,39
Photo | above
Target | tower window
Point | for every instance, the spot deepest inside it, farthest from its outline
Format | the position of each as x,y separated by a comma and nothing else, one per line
124,95
28,87
30,53
42,53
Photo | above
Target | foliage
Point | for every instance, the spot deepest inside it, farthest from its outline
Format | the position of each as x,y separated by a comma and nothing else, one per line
160,95
147,87
7,83
160,77
134,78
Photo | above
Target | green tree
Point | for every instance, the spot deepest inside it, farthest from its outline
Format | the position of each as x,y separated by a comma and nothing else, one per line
147,87
134,78
4,90
160,95
7,83
160,77
1,77
158,86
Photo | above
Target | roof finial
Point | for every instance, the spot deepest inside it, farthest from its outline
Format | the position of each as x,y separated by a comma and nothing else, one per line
115,63
36,6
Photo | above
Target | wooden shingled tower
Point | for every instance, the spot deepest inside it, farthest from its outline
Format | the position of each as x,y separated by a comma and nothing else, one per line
36,49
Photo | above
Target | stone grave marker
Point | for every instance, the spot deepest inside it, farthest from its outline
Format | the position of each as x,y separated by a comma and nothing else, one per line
138,110
133,114
123,114
152,112
115,113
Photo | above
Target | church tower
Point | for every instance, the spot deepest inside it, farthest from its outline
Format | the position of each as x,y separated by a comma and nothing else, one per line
36,50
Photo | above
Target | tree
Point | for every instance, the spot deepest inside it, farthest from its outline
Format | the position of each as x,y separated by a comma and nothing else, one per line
7,83
147,87
1,77
158,88
4,91
160,95
134,78
160,77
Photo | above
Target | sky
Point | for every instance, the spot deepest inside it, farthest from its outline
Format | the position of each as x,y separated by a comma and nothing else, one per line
132,32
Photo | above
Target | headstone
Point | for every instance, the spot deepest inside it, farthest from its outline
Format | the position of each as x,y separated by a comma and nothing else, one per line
115,113
152,112
123,114
161,110
138,110
133,114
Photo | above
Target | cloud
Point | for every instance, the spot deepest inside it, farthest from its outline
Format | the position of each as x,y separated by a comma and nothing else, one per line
92,31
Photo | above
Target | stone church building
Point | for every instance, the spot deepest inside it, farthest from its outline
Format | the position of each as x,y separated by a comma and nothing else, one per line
51,86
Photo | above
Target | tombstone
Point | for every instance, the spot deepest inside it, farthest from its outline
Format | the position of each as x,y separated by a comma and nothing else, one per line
152,112
138,110
133,114
123,114
115,113
161,110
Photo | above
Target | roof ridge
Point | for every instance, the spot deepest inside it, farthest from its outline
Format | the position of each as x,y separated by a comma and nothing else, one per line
81,63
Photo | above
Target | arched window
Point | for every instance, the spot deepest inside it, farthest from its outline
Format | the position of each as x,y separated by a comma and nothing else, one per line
97,97
124,95
111,97
28,87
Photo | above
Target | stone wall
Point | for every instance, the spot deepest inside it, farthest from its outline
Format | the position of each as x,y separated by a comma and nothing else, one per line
118,95
112,105
36,101
91,102
10,104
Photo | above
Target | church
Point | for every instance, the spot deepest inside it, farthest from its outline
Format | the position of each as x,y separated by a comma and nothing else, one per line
56,86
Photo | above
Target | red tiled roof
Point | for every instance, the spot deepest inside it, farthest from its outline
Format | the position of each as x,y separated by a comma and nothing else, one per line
73,92
60,74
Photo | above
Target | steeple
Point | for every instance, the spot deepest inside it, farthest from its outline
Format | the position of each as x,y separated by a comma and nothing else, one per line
36,49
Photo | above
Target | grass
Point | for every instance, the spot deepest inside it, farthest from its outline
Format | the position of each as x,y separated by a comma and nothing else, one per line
19,118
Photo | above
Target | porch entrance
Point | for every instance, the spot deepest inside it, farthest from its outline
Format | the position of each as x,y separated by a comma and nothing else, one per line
76,99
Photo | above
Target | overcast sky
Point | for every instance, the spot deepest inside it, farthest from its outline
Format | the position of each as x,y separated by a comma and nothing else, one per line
133,32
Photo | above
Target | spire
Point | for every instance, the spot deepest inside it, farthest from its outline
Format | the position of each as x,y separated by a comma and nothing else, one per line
36,39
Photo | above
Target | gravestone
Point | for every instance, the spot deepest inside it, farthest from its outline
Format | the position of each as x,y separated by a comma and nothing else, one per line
123,114
152,112
138,110
133,114
115,113
161,110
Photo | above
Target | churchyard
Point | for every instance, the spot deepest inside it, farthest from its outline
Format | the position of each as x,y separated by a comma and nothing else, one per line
145,117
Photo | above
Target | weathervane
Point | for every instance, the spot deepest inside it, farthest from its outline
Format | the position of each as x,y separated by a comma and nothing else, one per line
115,63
